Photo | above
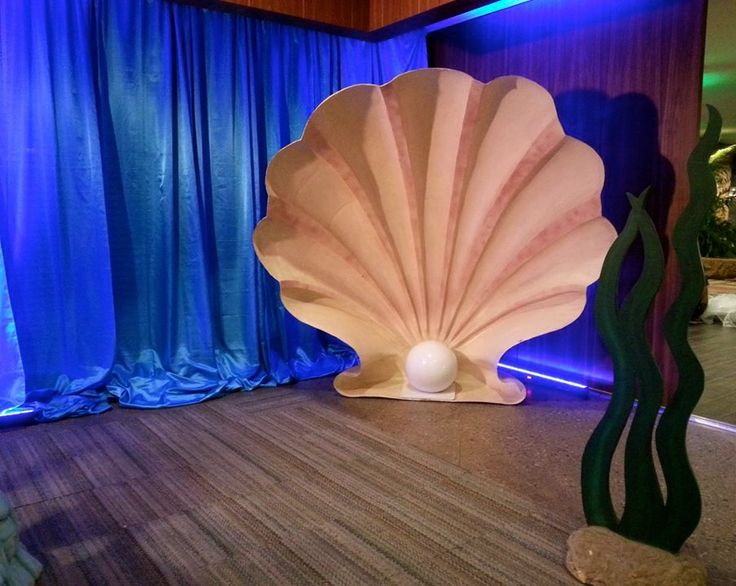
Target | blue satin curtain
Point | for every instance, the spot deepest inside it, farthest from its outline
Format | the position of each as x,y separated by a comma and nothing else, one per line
53,222
12,376
135,138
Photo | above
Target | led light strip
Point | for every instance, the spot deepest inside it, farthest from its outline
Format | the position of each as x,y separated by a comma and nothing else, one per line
482,11
532,373
713,424
14,411
697,419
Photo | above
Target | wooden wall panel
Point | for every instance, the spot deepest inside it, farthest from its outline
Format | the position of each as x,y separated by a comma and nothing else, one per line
362,15
386,17
626,77
350,14
388,12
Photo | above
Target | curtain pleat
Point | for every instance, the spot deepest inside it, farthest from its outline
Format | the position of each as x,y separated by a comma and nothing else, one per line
53,225
138,135
12,375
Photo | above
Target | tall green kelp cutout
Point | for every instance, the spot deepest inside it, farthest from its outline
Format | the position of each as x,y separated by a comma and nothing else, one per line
647,516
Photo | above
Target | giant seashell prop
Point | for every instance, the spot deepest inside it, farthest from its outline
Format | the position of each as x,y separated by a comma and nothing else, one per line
432,223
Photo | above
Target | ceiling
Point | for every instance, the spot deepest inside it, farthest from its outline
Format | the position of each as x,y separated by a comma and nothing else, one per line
719,78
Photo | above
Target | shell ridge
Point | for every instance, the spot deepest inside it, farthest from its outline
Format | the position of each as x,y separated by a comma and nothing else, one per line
430,141
285,153
529,278
501,206
495,92
519,281
475,139
369,197
562,229
291,213
459,185
572,291
325,294
326,152
318,312
325,275
332,291
375,214
294,215
578,204
393,115
509,330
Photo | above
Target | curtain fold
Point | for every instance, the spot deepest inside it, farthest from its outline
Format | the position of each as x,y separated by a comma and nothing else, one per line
137,141
12,376
53,225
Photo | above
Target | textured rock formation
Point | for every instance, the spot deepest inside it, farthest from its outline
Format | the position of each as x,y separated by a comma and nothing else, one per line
17,566
598,556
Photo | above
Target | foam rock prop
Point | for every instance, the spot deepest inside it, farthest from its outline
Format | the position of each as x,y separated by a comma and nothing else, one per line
17,566
596,555
437,209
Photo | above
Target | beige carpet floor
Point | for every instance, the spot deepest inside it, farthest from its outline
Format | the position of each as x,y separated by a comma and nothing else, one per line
301,486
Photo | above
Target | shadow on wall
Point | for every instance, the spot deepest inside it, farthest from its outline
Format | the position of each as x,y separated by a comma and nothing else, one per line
624,131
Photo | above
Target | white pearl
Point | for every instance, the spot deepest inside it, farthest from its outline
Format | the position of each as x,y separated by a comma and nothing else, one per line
431,366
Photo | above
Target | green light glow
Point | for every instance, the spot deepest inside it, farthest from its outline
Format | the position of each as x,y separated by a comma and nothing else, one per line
715,79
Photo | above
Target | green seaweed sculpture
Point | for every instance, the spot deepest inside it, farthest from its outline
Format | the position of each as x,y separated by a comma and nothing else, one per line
647,516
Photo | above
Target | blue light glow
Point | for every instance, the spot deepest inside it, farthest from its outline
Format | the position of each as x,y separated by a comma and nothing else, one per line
18,415
697,419
15,411
548,377
482,11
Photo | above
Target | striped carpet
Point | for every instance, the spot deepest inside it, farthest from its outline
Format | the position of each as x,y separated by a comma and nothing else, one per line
264,488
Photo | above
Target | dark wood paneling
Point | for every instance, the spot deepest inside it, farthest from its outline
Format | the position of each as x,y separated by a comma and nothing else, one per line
346,14
626,77
383,18
352,13
387,12
388,17
361,15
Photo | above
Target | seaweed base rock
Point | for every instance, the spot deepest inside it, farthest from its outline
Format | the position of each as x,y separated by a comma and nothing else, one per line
596,555
17,566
